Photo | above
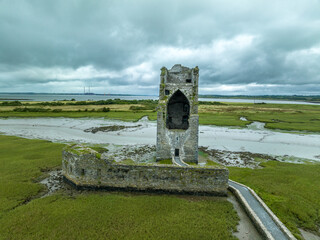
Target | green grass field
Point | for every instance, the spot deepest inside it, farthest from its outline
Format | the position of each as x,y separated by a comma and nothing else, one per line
22,161
118,115
276,116
292,191
96,215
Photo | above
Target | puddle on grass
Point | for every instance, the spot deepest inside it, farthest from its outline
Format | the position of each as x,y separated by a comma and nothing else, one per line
243,119
309,235
53,182
256,126
254,139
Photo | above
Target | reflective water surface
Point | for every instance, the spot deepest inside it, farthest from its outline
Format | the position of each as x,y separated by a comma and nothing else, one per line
254,139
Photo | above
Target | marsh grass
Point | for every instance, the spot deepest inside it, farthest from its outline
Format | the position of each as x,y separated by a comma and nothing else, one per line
22,161
96,215
119,216
276,116
292,191
118,115
165,161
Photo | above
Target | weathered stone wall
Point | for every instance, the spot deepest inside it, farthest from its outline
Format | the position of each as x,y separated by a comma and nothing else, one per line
86,169
186,80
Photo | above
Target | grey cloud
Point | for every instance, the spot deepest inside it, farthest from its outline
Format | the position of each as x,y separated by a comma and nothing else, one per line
114,36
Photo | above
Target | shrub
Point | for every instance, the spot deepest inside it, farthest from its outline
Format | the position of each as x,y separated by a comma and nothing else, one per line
13,103
31,109
211,103
105,109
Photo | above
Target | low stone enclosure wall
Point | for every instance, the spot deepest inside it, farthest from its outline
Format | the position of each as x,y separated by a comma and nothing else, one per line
85,168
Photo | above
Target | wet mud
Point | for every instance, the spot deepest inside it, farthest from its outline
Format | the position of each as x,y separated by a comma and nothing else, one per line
237,159
254,139
112,128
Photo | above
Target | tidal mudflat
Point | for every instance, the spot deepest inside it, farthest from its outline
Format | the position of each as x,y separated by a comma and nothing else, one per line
293,147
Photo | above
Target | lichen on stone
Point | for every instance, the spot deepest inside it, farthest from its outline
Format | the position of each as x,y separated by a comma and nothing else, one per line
163,71
196,70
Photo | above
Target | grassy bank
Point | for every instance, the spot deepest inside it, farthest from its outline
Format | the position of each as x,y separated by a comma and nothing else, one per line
290,190
22,161
95,215
118,216
118,115
276,116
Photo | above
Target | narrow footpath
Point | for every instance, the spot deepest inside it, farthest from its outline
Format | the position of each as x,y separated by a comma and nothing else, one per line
179,162
269,227
260,212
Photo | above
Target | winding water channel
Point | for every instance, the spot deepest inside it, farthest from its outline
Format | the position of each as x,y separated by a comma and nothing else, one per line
253,139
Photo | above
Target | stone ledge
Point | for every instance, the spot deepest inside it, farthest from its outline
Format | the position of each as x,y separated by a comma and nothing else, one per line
93,187
253,216
87,170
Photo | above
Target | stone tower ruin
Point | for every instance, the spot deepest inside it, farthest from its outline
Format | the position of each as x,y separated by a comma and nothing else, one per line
178,119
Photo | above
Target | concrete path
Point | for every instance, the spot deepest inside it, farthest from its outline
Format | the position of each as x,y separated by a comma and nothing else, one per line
179,162
260,212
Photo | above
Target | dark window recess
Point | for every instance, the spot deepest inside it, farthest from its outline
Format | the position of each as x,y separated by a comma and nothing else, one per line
188,80
167,92
185,119
176,152
82,172
185,107
178,111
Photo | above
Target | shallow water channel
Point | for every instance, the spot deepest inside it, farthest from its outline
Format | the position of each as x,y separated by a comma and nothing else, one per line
253,139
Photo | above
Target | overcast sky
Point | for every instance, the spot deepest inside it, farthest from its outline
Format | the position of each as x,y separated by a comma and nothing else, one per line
241,47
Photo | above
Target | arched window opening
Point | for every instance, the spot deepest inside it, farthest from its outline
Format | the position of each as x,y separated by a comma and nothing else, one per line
178,111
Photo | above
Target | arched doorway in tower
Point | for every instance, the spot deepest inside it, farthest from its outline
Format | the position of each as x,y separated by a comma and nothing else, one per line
178,111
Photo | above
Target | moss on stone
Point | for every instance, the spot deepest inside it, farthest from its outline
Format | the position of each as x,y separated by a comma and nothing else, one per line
165,161
99,149
128,162
163,71
79,149
196,70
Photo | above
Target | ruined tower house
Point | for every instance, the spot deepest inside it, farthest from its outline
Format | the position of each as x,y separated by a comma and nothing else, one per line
178,119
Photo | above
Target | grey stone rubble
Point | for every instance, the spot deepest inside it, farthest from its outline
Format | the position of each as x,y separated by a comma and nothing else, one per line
52,182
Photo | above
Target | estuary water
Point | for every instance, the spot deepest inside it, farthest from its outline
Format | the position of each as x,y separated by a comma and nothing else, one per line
94,97
253,139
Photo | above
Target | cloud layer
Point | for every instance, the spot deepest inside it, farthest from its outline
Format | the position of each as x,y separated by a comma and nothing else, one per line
118,46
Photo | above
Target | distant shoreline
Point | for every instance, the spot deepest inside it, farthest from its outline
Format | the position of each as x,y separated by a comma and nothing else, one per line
15,99
47,97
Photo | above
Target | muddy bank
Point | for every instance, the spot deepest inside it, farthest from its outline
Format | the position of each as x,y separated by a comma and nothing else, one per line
236,159
307,235
53,182
245,229
112,128
254,140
